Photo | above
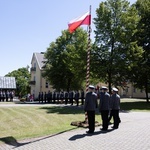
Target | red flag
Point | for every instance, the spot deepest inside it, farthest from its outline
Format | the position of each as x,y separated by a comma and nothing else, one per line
82,20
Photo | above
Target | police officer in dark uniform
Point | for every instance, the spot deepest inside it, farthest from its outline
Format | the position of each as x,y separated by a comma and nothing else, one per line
115,107
66,97
76,97
71,94
82,97
62,96
90,107
45,97
104,107
54,97
42,97
58,97
39,97
49,96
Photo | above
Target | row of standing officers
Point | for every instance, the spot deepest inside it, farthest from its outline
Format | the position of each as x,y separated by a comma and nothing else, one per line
68,97
108,106
6,95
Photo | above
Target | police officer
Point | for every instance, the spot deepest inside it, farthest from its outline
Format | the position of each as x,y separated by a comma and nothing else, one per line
66,97
82,97
42,97
104,107
71,95
39,97
45,97
49,96
90,107
54,97
62,96
76,97
115,107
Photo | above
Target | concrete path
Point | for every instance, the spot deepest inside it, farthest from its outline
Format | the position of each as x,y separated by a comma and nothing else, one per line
133,134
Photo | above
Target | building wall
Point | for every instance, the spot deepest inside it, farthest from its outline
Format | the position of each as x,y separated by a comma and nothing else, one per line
40,83
45,87
131,91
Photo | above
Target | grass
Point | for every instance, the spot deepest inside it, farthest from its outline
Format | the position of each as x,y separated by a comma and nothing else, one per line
134,105
36,121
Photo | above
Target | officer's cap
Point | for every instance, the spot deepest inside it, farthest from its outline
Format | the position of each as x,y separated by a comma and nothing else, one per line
104,88
115,89
91,87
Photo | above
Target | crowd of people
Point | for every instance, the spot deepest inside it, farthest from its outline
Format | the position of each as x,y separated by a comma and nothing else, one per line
108,106
6,95
70,97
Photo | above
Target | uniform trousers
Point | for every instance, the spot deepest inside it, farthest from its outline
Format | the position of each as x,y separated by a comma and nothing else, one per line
91,120
104,115
115,114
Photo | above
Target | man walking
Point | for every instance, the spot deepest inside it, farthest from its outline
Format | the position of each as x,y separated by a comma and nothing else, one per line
115,107
90,107
104,107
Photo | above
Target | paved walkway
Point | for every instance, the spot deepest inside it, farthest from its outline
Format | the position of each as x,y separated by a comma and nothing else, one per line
133,134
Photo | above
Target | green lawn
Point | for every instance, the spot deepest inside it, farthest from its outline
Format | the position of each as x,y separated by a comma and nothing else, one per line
36,121
135,105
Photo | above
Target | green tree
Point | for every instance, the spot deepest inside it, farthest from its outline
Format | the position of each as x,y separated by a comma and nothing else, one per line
141,72
115,48
22,77
65,66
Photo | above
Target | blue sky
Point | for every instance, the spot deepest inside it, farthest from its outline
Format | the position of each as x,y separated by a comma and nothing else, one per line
28,26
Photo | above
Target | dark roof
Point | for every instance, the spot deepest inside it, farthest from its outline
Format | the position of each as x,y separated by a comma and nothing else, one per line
7,83
40,59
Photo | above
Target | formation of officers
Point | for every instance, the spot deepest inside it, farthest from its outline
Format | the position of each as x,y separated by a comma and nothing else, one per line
108,106
6,95
63,96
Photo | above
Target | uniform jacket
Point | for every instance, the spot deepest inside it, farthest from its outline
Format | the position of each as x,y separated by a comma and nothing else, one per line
90,101
115,102
104,101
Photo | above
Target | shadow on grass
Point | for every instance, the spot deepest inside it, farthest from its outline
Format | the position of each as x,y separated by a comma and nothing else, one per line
10,140
125,108
137,105
64,109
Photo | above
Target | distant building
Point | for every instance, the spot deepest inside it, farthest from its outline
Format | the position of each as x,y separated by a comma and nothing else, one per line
129,91
38,83
7,83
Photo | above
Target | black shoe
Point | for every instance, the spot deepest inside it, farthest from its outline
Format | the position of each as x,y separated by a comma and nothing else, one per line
90,132
114,127
103,129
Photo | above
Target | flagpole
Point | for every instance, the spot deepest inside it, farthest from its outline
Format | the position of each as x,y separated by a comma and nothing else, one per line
88,60
88,55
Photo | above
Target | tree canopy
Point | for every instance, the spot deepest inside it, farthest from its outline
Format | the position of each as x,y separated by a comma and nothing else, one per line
65,67
140,75
22,77
115,48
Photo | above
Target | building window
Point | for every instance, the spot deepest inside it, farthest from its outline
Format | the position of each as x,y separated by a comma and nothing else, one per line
34,78
134,90
46,85
34,65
